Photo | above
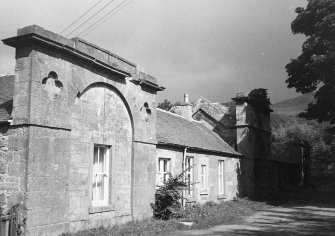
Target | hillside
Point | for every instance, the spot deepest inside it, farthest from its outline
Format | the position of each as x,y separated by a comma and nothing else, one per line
293,106
282,111
321,136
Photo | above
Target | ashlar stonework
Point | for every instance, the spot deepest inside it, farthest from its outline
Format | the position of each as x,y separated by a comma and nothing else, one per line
83,124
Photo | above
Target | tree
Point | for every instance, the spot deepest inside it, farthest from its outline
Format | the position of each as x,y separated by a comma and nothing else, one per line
314,69
260,97
297,129
167,105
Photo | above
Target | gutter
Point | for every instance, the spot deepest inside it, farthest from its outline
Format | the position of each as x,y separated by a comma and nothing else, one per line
200,149
148,84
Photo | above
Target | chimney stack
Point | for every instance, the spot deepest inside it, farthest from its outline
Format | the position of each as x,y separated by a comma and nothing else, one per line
185,109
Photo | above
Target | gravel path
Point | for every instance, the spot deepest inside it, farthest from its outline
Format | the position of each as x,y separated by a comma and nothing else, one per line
309,213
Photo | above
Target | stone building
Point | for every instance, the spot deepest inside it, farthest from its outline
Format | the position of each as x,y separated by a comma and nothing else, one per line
82,144
245,124
78,135
210,163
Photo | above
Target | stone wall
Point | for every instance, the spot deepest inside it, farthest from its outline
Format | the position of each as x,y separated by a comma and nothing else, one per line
273,176
48,183
13,150
246,177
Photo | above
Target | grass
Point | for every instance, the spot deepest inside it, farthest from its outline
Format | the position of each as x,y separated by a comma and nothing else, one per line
145,227
210,213
203,216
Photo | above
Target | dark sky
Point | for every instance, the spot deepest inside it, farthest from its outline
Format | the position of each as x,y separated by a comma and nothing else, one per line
210,48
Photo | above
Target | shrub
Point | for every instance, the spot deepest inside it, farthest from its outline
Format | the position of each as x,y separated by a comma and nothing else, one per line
168,197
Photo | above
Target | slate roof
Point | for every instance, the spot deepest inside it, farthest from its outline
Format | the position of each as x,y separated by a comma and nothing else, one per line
6,97
173,129
214,110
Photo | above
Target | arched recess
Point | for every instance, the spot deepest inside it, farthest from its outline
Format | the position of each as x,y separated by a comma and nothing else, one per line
111,87
102,109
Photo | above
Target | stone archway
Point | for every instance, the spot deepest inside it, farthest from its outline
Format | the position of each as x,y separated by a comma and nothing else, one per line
101,118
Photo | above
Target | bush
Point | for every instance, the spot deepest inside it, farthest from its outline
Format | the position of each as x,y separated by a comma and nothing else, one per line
168,197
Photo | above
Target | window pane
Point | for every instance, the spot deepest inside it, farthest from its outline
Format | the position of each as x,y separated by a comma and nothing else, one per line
102,160
163,169
166,166
221,177
161,163
203,176
101,187
95,160
95,170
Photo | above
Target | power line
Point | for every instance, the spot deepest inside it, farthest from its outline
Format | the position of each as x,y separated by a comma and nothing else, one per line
90,18
104,18
81,16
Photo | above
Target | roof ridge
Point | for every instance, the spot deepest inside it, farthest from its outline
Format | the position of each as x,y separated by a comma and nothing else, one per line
6,74
217,137
215,104
207,100
168,112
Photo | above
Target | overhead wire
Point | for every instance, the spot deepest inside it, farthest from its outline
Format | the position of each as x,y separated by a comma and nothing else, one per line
105,17
90,17
80,17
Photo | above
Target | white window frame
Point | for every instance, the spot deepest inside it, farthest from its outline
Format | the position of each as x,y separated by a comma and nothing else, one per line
221,174
203,177
163,168
101,175
189,175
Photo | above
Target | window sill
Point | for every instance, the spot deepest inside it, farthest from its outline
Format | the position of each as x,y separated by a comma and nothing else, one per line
221,196
99,209
204,192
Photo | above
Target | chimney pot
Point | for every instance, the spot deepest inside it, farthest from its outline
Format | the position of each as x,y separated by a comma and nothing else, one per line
186,100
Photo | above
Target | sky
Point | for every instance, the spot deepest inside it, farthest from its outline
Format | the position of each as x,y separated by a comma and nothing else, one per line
210,48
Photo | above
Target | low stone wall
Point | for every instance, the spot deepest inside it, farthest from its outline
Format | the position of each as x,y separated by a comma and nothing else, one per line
246,178
273,176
